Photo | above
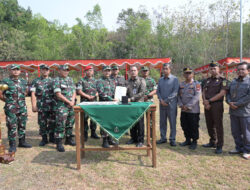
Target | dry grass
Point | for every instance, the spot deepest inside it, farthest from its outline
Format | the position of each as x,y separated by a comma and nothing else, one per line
177,168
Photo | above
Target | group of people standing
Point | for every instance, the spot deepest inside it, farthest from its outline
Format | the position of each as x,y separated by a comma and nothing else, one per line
186,95
54,100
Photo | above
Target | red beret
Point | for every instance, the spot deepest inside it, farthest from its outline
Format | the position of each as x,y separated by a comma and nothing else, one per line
88,67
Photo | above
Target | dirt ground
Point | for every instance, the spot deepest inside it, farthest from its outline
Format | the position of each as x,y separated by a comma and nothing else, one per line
177,167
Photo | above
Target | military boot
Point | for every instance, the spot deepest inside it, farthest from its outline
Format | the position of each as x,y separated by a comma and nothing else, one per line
112,142
193,145
70,141
23,144
59,145
12,146
52,138
105,143
94,135
44,140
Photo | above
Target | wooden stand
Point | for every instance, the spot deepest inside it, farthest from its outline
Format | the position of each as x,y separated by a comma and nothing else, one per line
80,146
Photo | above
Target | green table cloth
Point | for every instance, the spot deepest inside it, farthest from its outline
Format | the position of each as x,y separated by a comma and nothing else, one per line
116,120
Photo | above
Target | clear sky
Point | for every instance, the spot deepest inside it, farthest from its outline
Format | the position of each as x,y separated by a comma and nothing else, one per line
66,11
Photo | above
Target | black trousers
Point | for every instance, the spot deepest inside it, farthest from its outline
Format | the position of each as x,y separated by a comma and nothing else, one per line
137,132
214,121
190,125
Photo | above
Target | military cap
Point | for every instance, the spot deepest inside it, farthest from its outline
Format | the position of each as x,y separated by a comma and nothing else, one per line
14,66
88,68
44,66
114,67
106,68
187,70
63,67
144,68
214,64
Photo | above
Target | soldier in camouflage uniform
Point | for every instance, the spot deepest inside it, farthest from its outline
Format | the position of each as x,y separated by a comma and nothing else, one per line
119,80
15,107
41,100
106,90
86,88
150,89
136,88
64,90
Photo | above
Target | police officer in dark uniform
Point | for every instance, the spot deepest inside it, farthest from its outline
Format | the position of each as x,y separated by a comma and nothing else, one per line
188,101
213,93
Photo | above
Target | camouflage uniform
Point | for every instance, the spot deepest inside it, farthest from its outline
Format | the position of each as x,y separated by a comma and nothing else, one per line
15,107
106,91
119,80
65,117
88,86
44,96
150,86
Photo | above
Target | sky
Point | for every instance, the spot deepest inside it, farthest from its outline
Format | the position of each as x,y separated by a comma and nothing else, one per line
66,11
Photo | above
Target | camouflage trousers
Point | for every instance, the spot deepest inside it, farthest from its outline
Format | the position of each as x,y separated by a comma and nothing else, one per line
46,122
16,121
65,119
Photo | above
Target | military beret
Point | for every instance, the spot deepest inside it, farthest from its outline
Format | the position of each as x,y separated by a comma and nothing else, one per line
214,64
63,67
114,67
88,68
44,66
187,70
144,68
14,66
106,68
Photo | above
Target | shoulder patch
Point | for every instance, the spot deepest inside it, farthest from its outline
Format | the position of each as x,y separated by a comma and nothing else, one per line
224,83
198,87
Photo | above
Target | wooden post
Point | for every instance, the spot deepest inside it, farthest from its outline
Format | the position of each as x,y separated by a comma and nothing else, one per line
153,140
38,71
82,133
78,148
148,131
126,72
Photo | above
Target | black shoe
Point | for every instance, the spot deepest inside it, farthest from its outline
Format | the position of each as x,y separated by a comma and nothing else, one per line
218,150
131,141
52,138
140,144
44,140
126,133
23,144
94,135
70,141
209,145
185,143
172,143
112,142
161,141
59,145
193,145
12,147
105,143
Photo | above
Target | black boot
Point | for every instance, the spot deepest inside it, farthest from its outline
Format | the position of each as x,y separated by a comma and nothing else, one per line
193,145
44,140
59,145
112,142
105,143
12,146
52,138
23,144
94,135
70,141
186,142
